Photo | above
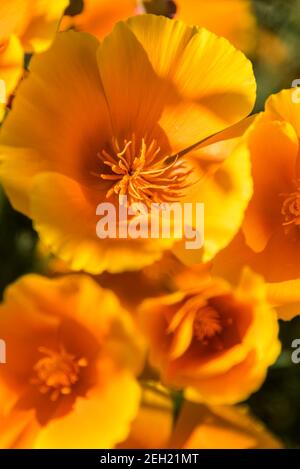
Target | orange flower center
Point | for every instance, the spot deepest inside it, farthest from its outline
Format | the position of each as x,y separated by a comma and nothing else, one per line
141,173
291,208
207,323
57,372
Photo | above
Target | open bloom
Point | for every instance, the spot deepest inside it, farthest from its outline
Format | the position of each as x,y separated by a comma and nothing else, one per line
73,354
214,342
25,26
98,17
96,121
269,240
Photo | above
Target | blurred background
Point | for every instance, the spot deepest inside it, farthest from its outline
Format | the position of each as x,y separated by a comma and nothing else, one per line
275,53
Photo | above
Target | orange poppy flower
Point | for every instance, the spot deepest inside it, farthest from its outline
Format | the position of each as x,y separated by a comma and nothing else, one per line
214,342
98,17
273,214
75,138
72,356
269,241
233,19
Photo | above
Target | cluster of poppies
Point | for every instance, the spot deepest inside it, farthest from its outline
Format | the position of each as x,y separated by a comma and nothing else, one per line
120,337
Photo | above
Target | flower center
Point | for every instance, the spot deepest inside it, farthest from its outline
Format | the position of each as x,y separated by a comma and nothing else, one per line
57,372
291,208
141,173
207,323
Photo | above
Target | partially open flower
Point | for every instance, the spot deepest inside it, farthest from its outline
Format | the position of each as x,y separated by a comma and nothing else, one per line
211,341
94,122
72,357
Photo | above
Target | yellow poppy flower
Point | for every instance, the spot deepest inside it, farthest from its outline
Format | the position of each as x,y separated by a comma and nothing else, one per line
73,356
214,342
96,121
98,17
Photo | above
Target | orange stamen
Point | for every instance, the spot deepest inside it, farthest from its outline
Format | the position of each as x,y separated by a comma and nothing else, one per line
57,372
142,174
